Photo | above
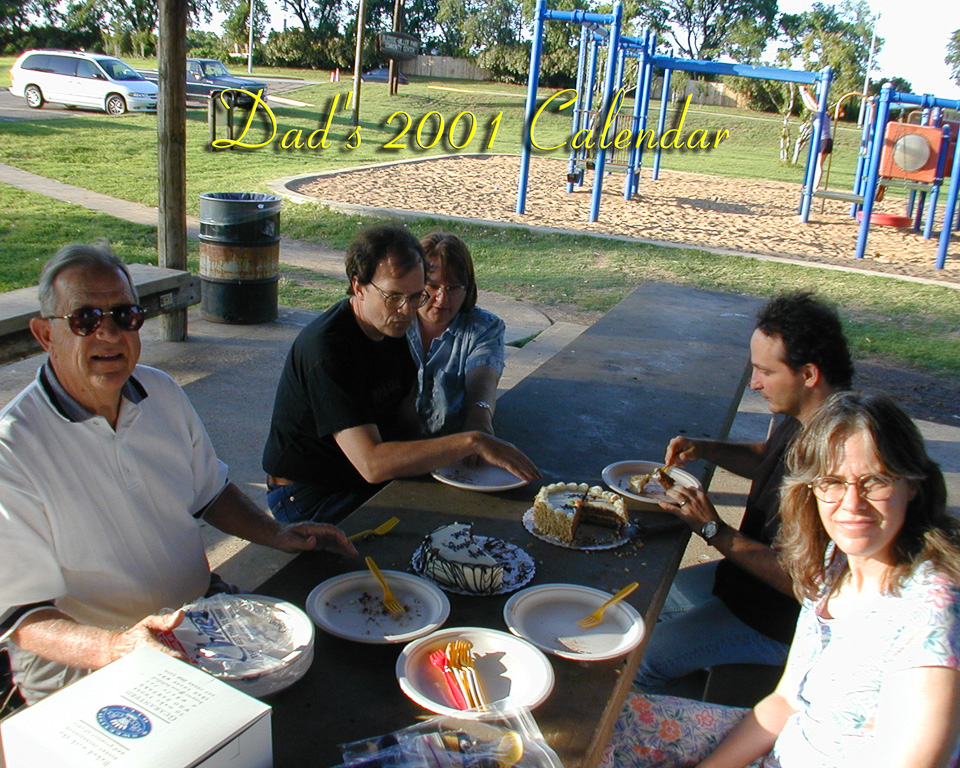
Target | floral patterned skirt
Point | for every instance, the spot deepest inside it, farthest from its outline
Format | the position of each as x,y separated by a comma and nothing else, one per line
667,732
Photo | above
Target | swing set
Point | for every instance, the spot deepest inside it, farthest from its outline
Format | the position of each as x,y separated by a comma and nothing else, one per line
917,157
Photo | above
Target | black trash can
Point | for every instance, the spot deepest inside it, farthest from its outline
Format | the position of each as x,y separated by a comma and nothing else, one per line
239,257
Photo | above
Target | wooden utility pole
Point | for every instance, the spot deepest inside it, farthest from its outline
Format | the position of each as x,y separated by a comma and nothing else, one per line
358,61
172,152
393,75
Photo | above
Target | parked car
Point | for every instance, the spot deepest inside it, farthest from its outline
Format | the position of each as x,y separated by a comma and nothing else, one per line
81,79
209,77
381,74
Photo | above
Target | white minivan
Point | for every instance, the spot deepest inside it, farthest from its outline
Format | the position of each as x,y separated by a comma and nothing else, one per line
81,79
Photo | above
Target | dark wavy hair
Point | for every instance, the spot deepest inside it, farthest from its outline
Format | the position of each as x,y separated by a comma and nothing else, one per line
454,258
811,332
928,532
373,245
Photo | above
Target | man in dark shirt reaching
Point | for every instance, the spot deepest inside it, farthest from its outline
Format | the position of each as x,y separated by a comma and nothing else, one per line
741,609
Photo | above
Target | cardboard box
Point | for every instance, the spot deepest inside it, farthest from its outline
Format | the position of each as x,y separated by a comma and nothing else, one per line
146,710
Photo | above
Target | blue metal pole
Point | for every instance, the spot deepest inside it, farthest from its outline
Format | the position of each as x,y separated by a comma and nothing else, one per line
633,170
578,107
865,133
534,81
662,121
650,47
826,75
935,192
613,44
630,181
873,169
591,87
950,208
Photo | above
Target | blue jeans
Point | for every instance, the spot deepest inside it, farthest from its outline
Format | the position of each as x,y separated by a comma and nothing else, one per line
697,631
308,502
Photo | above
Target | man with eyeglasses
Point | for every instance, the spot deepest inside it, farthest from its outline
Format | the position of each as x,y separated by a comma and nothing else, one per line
104,469
741,609
343,415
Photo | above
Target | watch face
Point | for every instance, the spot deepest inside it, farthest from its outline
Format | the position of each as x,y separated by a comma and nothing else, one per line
710,530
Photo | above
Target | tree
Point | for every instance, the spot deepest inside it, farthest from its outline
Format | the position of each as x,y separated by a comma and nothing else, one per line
952,59
838,38
322,18
707,29
236,25
480,25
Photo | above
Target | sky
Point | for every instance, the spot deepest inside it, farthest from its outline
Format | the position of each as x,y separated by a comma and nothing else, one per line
916,34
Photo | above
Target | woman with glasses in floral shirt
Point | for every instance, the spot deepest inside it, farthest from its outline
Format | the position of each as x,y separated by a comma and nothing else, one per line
872,675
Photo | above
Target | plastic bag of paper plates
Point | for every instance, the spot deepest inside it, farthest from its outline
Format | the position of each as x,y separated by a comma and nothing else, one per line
257,644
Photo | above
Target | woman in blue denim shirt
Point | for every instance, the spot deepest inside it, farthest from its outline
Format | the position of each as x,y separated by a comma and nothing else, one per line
457,346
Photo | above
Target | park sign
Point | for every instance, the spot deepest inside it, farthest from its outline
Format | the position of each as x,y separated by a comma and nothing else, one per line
399,45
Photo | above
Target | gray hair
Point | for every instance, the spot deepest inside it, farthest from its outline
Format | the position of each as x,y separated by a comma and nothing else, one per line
96,255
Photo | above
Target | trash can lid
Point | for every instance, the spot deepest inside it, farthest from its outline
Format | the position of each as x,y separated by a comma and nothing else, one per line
241,197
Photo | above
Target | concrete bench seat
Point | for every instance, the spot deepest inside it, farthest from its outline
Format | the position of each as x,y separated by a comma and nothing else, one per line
161,290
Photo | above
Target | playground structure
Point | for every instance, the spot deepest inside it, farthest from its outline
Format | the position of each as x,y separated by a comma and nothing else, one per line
604,31
919,158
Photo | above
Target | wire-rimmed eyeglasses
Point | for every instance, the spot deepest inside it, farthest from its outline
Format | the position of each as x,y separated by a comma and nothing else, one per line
396,301
875,487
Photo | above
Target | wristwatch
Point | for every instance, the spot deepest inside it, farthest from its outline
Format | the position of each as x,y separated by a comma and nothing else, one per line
710,530
484,405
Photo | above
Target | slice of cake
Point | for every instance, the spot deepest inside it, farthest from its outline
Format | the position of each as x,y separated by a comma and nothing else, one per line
560,509
656,484
452,556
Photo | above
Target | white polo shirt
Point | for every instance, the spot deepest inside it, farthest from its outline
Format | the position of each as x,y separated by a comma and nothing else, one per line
100,521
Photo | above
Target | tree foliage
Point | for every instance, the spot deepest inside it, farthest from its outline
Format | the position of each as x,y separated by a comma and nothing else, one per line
835,37
707,29
316,18
952,59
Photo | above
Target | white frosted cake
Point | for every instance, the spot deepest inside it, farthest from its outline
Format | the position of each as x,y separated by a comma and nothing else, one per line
451,556
561,508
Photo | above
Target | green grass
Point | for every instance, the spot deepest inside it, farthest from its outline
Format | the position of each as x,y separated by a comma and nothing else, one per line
903,322
918,325
33,226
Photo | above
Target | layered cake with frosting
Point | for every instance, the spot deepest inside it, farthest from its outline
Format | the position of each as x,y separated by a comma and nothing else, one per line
453,557
561,509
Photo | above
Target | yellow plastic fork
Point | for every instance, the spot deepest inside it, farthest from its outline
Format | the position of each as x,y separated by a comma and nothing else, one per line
378,531
596,618
464,654
389,601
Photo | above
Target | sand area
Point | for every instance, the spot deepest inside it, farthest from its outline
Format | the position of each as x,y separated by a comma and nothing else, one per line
740,215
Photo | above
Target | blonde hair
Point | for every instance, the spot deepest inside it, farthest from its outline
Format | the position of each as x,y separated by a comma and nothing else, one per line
928,532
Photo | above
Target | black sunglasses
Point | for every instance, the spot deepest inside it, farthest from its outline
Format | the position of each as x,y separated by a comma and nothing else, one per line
86,320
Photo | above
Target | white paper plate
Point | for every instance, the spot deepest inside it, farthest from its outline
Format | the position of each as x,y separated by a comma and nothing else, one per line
518,567
487,478
510,668
617,477
351,606
547,616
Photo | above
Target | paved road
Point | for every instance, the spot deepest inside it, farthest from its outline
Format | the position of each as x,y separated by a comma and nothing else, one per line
15,108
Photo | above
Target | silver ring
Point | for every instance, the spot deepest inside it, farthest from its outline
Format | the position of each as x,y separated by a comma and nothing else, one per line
682,503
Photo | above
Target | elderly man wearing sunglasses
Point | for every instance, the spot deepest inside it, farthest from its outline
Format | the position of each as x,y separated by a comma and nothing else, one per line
344,413
104,470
